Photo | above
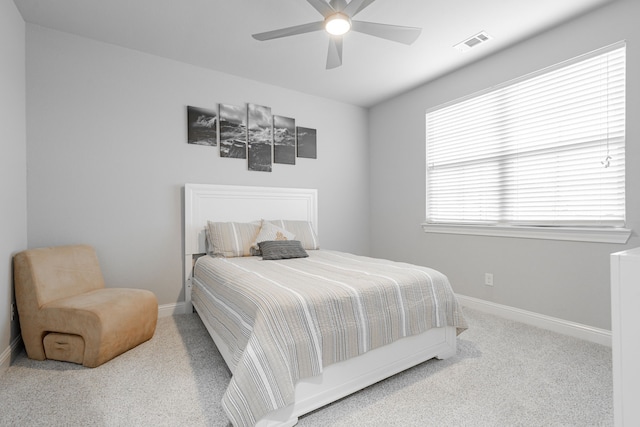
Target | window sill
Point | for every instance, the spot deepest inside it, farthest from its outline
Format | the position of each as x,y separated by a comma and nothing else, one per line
576,234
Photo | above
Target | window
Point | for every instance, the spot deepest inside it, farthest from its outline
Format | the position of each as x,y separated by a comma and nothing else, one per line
544,150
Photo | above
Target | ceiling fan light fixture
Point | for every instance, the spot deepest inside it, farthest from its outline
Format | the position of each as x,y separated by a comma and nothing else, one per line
337,24
337,21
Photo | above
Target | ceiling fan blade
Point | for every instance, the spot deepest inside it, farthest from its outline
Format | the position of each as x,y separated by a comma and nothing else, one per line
338,5
290,31
322,6
355,6
334,57
396,33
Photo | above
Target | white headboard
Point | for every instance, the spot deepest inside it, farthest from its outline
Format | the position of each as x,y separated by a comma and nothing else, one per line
208,202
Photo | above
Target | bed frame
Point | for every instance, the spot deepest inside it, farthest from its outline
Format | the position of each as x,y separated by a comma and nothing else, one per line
203,202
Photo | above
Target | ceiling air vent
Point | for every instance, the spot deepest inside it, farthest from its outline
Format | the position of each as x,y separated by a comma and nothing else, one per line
473,41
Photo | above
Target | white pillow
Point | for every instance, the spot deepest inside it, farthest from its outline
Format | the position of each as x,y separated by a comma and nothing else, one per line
303,230
269,232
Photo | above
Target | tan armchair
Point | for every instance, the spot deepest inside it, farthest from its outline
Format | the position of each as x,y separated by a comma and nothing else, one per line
67,314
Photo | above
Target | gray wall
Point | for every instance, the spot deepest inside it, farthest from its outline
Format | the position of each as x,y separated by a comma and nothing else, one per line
108,156
13,163
567,280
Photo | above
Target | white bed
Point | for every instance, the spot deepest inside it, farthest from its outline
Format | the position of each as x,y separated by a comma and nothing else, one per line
244,204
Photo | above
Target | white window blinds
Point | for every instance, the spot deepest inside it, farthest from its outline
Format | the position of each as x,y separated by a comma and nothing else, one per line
547,149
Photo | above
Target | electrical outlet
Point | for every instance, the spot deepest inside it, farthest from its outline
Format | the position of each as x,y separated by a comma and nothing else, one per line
13,311
488,279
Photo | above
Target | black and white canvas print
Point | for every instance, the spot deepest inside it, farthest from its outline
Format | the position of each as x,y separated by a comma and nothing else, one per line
306,138
202,126
260,137
284,140
233,131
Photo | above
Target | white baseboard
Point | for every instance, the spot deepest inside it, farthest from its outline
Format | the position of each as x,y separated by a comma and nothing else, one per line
576,330
166,310
5,357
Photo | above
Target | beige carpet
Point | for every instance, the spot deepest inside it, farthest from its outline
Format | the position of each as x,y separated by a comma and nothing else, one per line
505,374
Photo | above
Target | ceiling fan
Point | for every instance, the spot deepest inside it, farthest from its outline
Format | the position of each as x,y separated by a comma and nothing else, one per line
338,21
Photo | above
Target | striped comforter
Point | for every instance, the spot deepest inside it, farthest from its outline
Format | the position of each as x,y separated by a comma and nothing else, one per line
285,320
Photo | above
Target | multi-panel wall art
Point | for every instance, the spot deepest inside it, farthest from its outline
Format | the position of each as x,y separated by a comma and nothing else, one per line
306,142
251,132
284,140
233,131
202,126
260,137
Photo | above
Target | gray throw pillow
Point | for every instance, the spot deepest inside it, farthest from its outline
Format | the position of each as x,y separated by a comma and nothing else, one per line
282,249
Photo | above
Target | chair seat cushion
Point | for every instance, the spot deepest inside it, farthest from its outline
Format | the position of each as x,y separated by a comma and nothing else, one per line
110,321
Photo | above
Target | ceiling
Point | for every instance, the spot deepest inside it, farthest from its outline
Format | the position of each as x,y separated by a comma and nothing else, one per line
216,34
